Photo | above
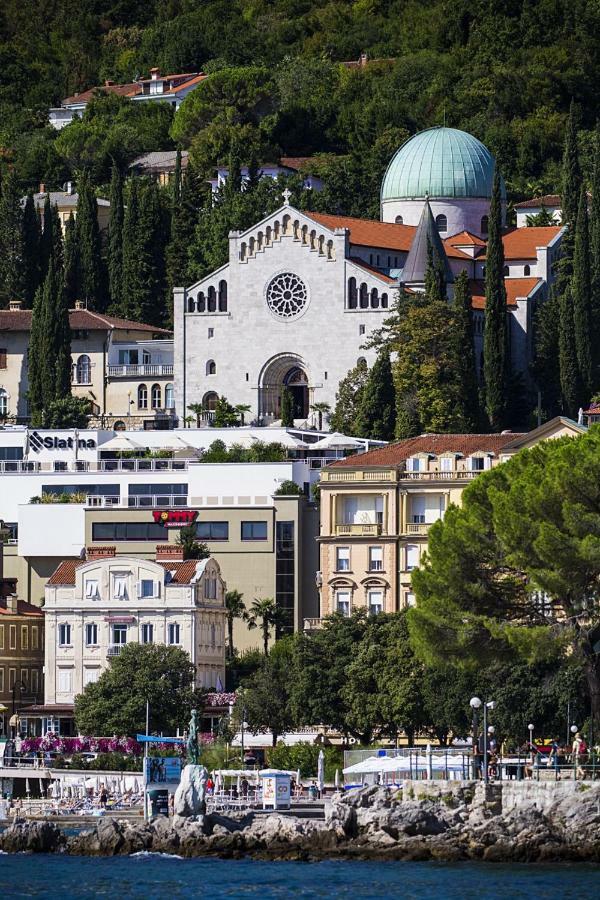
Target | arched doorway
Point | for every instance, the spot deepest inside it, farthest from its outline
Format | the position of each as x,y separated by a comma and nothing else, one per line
285,370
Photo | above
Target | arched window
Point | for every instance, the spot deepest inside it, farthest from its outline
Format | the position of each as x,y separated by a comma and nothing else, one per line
212,299
374,298
526,270
155,396
222,296
3,403
209,401
211,367
506,271
364,296
169,398
84,369
352,295
441,223
142,397
243,251
384,301
485,224
399,220
119,426
191,304
201,302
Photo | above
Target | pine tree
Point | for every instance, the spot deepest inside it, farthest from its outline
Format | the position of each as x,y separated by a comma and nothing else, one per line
495,360
595,258
570,384
348,398
91,274
465,352
287,408
582,298
115,238
71,263
31,251
376,417
12,261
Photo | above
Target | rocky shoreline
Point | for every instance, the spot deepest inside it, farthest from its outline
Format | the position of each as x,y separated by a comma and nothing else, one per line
434,821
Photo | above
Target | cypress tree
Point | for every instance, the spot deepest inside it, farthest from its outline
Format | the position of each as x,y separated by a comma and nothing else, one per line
91,276
37,364
287,408
465,351
595,258
177,180
71,263
143,254
57,241
376,417
582,297
570,384
115,238
59,336
130,250
46,239
31,251
435,276
12,262
572,181
49,346
184,220
546,364
495,361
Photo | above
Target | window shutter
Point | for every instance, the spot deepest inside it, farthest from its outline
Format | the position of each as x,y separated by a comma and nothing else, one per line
139,589
157,588
3,363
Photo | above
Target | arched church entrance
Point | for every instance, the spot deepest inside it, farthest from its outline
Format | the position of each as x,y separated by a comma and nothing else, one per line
286,370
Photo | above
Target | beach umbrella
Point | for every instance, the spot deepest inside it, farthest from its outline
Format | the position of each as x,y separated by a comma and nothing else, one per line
120,443
336,441
298,778
321,771
337,779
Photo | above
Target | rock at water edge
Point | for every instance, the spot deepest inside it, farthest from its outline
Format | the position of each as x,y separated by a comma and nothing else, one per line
190,796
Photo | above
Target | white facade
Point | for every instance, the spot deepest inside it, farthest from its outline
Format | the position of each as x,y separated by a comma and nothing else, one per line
119,600
460,213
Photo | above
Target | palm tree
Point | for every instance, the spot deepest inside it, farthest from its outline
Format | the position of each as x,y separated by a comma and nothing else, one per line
197,409
235,608
241,409
264,612
320,408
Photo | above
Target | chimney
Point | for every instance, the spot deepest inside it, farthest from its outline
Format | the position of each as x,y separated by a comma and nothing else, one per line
108,83
100,552
15,304
169,553
80,304
363,60
69,187
42,188
154,73
12,604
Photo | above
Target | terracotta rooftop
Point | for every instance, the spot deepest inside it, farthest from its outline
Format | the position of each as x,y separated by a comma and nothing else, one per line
515,288
522,243
537,202
465,238
182,572
296,162
368,232
23,609
395,454
123,90
80,319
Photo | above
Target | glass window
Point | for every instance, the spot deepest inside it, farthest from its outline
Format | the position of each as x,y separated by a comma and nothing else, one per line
411,600
83,370
147,588
1,679
155,396
342,602
65,681
342,559
35,681
447,464
1,637
92,589
128,531
169,396
477,463
441,223
35,638
142,397
213,637
12,637
210,588
147,633
24,637
254,531
375,601
91,634
91,674
119,591
173,633
375,559
3,402
64,635
212,531
412,556
119,635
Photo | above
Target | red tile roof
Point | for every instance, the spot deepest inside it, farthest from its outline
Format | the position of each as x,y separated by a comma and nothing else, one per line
522,243
536,202
123,90
182,572
80,319
397,453
368,232
515,288
23,609
592,410
296,162
65,573
465,238
371,269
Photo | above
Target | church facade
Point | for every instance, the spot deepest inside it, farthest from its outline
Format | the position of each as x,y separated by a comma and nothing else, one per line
303,291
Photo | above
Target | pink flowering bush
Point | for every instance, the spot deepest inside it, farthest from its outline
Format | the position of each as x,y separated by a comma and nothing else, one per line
220,698
70,745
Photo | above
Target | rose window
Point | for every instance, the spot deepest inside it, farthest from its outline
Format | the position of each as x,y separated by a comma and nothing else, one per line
287,295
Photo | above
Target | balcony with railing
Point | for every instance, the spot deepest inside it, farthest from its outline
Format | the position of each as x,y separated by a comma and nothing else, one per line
417,527
369,475
147,370
365,529
33,467
114,649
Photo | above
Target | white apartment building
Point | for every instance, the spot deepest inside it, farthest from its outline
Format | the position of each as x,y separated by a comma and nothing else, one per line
96,606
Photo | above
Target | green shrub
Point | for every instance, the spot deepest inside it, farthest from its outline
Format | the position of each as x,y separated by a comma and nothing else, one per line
305,757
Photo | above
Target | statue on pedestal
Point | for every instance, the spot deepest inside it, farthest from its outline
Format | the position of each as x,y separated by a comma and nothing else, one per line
193,750
190,796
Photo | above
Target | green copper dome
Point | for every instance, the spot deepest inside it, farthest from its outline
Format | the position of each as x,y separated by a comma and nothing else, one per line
440,163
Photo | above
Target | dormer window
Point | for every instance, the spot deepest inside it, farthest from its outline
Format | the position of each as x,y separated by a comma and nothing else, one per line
120,591
92,589
415,464
446,464
477,463
148,589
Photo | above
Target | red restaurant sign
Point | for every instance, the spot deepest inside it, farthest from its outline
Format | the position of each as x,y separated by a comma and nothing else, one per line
174,518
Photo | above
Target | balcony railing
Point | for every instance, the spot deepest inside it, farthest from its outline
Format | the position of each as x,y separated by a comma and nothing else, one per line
33,467
458,475
418,527
361,475
103,500
313,624
144,371
157,500
366,529
141,465
114,649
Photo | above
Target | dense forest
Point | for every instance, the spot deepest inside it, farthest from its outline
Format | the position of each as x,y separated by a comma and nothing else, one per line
504,70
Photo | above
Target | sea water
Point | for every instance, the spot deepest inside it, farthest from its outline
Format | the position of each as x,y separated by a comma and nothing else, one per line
152,876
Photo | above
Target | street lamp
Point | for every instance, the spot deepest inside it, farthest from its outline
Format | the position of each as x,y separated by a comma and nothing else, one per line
574,728
475,704
531,727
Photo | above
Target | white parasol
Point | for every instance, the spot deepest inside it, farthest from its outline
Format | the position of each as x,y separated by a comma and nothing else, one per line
321,771
336,441
120,442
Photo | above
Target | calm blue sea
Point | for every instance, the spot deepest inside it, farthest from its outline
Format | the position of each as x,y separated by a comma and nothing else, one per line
151,876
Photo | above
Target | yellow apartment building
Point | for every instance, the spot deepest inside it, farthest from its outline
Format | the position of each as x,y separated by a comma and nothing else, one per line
377,509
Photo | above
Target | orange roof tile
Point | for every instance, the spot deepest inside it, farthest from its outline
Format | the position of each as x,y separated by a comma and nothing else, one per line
23,609
182,572
536,202
465,238
80,319
397,453
368,232
65,573
521,243
123,90
515,288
